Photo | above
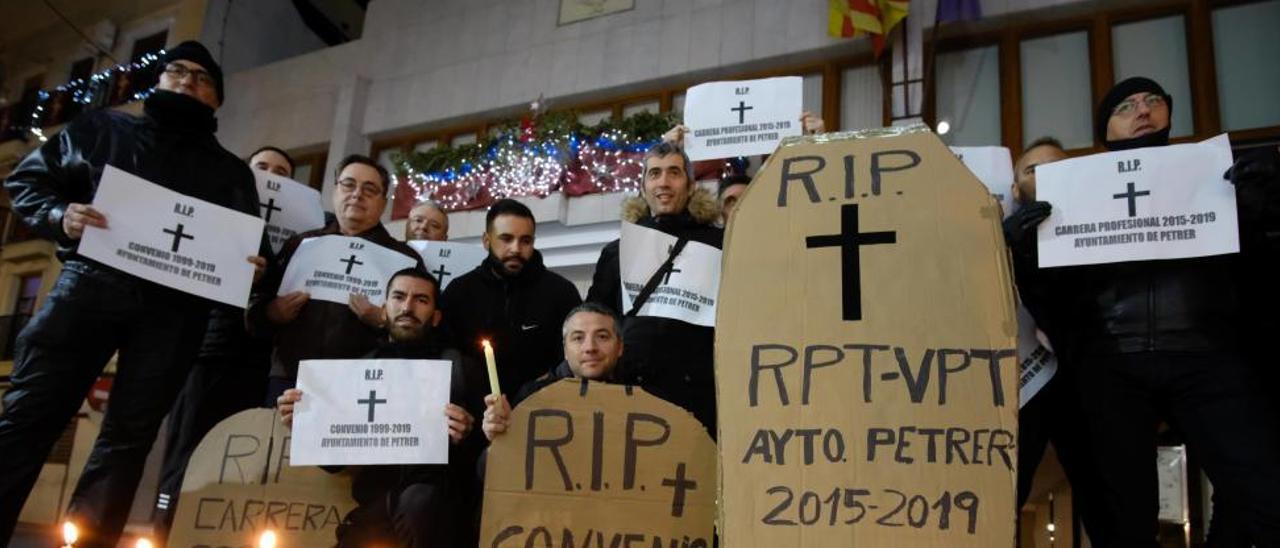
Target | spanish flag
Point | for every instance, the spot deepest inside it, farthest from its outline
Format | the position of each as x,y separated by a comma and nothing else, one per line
852,18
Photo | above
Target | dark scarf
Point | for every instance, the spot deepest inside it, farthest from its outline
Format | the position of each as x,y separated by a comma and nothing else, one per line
177,112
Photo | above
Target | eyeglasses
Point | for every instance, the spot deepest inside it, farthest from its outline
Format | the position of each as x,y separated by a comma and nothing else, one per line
180,72
368,190
1129,107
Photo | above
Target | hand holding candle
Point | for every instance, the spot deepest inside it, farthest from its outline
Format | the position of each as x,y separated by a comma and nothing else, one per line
493,368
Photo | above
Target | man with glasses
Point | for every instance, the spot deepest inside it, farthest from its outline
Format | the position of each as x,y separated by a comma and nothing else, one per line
303,329
1159,341
95,311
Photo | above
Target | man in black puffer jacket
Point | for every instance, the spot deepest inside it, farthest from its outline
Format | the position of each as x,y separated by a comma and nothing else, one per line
95,310
1160,340
670,358
510,299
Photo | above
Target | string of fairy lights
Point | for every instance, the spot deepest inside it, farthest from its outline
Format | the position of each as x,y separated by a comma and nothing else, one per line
609,162
85,90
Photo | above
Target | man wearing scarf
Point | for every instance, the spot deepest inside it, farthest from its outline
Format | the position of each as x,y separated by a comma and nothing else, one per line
95,310
1160,340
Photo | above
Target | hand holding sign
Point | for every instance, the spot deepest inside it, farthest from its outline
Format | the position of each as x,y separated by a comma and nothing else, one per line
78,216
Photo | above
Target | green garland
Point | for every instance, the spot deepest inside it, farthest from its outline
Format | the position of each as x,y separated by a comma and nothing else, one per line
553,129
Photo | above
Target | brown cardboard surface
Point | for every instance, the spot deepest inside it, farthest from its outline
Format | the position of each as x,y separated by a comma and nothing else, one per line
240,482
617,481
828,443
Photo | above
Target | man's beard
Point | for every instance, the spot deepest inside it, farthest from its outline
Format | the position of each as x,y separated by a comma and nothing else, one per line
407,333
502,263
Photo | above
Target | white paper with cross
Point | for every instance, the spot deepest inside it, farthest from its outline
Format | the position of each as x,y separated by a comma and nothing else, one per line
743,118
371,412
688,292
331,268
288,207
1166,202
173,239
448,260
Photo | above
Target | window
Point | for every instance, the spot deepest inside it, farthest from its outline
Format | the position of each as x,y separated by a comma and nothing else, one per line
1056,96
141,47
463,139
1245,42
636,108
594,117
1157,49
969,95
861,98
812,94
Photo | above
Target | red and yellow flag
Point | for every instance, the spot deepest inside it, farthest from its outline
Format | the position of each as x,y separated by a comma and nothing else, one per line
853,18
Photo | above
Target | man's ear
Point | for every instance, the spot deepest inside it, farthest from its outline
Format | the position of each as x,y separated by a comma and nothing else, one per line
484,240
435,318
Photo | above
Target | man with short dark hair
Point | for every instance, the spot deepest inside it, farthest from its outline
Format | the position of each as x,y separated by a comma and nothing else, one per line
510,299
427,221
272,160
95,310
728,193
303,329
670,358
411,505
1160,340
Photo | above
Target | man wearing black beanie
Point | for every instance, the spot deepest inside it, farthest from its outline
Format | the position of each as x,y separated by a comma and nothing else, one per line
1159,340
95,311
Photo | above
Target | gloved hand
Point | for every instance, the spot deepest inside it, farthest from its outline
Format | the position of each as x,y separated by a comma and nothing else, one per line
1020,228
1256,176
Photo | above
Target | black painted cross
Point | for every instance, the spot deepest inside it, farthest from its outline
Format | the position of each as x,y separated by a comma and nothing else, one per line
351,261
372,401
742,109
666,280
679,485
270,206
849,240
1132,195
178,236
441,273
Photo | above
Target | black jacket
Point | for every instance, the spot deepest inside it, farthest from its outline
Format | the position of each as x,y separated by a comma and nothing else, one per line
372,485
521,316
672,359
1192,305
172,145
322,330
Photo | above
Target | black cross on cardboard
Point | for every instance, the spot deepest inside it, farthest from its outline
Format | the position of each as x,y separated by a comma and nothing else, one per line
849,240
742,109
178,236
351,261
678,486
371,402
441,274
1132,195
270,206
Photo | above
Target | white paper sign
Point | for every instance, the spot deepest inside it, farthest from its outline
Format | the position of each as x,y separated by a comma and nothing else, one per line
688,292
1036,361
288,207
371,412
447,260
994,167
745,118
1166,202
173,239
331,268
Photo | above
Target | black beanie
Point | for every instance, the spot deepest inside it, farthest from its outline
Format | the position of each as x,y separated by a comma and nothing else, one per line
195,52
1119,93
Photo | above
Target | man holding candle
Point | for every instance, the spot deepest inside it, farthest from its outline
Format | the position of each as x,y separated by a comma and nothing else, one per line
411,505
510,300
592,346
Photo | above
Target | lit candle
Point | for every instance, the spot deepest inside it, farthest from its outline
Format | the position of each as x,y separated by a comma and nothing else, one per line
493,368
143,542
267,540
69,534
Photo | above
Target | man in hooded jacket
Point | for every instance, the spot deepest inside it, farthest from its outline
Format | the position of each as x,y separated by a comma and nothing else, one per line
1159,340
94,310
671,358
